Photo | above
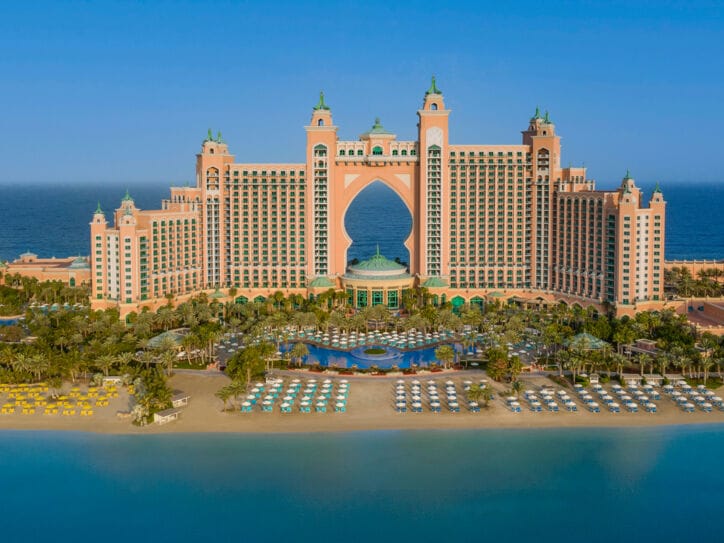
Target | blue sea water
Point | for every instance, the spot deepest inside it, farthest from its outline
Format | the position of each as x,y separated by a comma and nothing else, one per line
593,485
52,220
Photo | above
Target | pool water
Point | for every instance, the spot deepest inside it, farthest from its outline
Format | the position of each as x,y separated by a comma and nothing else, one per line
346,359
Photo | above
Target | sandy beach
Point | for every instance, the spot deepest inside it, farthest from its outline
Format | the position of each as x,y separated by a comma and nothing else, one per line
370,407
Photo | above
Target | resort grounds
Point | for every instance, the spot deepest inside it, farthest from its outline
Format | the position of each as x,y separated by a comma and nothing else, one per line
370,406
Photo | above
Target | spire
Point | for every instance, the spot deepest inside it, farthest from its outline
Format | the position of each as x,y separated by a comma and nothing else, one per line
657,188
100,211
628,175
378,250
537,113
433,88
218,137
127,197
321,105
209,136
547,118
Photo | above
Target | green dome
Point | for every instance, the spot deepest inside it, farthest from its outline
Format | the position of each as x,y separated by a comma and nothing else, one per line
80,263
321,282
435,282
378,265
377,129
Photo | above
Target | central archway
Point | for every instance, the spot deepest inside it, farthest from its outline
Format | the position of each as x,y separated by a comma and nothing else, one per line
377,215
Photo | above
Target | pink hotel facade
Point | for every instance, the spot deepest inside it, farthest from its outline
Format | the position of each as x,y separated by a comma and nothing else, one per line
487,220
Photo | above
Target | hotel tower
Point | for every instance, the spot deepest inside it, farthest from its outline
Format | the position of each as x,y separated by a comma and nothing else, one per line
488,222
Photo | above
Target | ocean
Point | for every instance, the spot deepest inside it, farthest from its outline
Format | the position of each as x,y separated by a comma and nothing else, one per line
52,220
595,485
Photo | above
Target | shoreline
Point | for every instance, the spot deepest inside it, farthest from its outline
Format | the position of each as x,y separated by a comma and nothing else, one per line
370,409
154,430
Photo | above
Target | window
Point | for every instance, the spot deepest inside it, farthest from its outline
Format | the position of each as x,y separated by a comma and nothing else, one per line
320,122
377,150
433,106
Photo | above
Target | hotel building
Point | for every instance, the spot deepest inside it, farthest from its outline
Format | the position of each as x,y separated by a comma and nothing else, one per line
500,221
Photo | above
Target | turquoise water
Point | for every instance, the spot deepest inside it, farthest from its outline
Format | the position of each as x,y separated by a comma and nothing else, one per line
613,485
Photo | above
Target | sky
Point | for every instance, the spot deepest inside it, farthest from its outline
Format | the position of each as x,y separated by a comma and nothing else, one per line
112,92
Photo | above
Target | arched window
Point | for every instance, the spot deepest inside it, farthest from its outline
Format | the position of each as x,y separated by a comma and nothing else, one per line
359,152
377,150
320,122
404,152
394,152
211,151
341,152
433,106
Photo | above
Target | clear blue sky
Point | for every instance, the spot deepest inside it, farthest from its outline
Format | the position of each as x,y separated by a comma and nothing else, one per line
125,91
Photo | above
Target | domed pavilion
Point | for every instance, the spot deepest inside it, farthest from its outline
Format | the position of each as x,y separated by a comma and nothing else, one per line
376,281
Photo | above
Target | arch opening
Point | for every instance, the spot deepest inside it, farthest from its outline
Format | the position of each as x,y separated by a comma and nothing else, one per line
377,215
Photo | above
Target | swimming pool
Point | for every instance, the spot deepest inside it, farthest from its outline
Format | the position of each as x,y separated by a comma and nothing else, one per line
346,359
8,322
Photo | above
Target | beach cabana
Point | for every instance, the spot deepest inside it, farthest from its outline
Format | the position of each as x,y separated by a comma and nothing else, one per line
166,416
180,399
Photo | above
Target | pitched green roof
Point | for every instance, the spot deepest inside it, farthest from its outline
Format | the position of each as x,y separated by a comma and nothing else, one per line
156,341
586,342
321,282
537,113
98,209
435,282
127,197
377,128
628,175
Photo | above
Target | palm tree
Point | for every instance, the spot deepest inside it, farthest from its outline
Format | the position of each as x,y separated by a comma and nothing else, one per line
706,365
445,354
167,358
105,363
224,394
478,394
298,352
